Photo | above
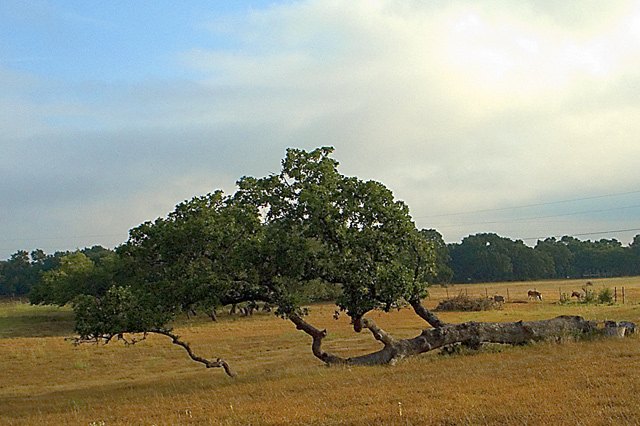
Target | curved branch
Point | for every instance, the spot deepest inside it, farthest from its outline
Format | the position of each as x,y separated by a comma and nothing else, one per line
377,332
471,333
209,364
426,314
317,336
384,356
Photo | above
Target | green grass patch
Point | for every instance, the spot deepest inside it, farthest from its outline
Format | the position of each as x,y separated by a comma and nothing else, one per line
21,319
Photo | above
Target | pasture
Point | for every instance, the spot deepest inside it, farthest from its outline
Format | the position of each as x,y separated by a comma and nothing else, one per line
45,380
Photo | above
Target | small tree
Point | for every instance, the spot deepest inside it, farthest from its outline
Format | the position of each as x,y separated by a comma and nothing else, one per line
605,296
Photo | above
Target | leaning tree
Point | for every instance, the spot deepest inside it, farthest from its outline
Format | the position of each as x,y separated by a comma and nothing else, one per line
271,241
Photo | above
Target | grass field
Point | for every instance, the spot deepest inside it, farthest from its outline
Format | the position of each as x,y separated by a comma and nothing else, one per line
45,380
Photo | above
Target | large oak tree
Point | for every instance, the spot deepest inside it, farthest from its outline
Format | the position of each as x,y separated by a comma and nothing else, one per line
272,241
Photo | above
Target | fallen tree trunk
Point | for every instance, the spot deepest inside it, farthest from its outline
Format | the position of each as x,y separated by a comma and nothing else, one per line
471,334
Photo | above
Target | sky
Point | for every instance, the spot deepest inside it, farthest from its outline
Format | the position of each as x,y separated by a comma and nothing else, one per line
518,118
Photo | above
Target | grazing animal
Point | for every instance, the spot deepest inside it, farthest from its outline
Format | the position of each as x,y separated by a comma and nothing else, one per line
336,315
577,295
498,298
532,294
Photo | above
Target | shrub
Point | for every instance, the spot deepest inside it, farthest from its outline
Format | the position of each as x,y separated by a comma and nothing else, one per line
590,296
565,298
605,296
466,303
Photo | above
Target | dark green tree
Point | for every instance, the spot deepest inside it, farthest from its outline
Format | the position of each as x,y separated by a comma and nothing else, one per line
22,271
562,257
489,257
443,274
76,274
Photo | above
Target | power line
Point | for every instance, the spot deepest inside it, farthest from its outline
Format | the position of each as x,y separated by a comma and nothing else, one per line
529,205
539,217
587,233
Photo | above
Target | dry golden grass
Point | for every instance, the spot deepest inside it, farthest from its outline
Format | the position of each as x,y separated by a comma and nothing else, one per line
44,380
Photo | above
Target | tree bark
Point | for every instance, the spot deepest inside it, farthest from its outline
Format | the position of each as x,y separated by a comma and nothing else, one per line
471,333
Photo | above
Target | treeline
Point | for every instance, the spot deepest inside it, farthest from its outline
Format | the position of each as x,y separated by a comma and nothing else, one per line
24,271
478,258
490,258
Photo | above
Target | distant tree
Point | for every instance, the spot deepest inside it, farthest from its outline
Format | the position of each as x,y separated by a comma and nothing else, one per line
442,274
481,258
489,257
561,256
23,271
76,274
529,264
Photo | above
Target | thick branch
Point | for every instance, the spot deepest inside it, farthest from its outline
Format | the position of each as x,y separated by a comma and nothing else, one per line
470,333
209,364
377,332
426,314
317,336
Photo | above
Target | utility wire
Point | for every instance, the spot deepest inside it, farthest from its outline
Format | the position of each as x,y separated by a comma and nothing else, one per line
528,205
539,217
587,233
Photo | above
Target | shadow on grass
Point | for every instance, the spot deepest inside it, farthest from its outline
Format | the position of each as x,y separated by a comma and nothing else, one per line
24,320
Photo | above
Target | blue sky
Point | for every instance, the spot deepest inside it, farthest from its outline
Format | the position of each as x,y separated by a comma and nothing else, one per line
111,41
519,118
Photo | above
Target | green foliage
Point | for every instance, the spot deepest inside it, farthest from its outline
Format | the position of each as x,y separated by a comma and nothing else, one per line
120,310
320,224
77,274
22,271
489,257
605,296
590,296
565,298
289,238
442,273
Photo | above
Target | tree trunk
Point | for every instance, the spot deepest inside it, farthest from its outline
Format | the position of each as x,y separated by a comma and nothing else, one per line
213,315
471,333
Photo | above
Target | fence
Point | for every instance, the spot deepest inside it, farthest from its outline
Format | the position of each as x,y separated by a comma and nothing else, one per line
520,294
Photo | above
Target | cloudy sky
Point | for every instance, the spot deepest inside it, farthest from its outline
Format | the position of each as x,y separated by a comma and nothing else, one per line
520,118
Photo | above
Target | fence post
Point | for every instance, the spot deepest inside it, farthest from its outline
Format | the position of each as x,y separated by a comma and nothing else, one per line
486,292
447,292
615,295
508,294
622,294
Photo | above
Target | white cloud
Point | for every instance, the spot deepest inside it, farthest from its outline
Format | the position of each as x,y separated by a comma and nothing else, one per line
456,107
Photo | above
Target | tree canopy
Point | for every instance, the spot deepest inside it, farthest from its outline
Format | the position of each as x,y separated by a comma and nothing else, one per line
489,257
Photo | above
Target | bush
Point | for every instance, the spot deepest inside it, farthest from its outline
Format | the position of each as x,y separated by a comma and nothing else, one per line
590,296
466,303
565,298
605,296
